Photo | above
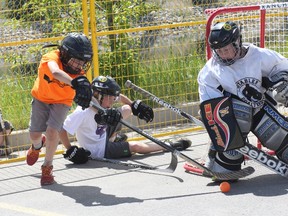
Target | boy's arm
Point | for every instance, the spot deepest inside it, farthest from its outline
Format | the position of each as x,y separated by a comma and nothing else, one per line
59,74
125,100
81,84
139,108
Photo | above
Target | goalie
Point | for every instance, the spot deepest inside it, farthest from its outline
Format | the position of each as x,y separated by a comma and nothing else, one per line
98,134
255,81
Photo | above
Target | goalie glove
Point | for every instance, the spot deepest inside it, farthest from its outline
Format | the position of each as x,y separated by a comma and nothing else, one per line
280,92
83,91
109,117
77,155
142,110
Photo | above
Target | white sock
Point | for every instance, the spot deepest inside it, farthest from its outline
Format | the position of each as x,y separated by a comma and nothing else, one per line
47,163
38,146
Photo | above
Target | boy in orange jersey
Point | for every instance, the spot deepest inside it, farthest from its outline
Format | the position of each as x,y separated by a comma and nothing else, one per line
60,80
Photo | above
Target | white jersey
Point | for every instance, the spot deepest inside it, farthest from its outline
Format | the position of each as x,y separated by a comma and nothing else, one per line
89,134
243,78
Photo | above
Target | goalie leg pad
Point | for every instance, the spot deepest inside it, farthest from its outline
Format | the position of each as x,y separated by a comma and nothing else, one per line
271,129
271,133
283,154
220,122
243,114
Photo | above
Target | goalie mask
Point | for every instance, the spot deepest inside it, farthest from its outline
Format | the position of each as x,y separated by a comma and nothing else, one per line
106,86
76,53
225,41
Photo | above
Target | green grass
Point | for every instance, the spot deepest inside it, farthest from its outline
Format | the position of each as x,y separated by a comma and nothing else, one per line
173,79
15,99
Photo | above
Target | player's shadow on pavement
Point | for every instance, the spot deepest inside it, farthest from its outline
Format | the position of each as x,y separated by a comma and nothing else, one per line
91,195
268,185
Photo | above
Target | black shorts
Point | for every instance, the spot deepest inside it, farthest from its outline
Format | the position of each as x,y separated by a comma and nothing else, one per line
116,150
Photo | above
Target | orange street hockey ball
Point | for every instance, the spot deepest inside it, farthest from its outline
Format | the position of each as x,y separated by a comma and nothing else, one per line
225,187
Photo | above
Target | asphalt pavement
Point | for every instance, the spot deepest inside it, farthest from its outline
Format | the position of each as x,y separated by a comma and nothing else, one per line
104,189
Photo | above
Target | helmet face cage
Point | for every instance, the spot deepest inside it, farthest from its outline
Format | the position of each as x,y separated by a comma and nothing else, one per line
106,86
221,35
77,46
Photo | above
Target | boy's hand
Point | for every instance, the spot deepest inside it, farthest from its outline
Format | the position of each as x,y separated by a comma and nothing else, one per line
110,117
83,91
142,110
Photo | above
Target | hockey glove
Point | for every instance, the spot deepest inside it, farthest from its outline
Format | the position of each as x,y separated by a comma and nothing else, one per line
110,117
77,155
281,92
142,110
83,91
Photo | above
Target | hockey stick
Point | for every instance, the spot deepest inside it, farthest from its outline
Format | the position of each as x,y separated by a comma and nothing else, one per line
169,169
145,93
248,150
219,176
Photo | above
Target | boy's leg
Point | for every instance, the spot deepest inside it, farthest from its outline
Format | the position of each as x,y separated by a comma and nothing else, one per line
37,125
58,113
116,150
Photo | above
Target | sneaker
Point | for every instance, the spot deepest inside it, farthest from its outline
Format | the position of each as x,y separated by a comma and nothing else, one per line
47,178
181,144
33,154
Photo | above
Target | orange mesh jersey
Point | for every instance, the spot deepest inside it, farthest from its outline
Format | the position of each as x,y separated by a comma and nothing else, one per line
48,89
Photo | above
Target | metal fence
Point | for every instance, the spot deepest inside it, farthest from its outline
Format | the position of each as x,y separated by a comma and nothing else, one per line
158,45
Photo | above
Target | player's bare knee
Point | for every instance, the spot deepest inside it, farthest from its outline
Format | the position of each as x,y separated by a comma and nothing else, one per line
135,146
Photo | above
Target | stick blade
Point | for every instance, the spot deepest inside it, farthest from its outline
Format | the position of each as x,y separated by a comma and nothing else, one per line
173,164
128,83
216,176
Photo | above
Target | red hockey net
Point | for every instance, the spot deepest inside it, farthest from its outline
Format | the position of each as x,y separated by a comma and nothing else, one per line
264,25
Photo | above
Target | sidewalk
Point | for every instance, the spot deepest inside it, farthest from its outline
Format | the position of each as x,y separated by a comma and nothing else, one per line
103,189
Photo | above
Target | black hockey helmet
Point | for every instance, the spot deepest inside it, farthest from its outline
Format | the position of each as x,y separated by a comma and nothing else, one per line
222,34
78,46
106,85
